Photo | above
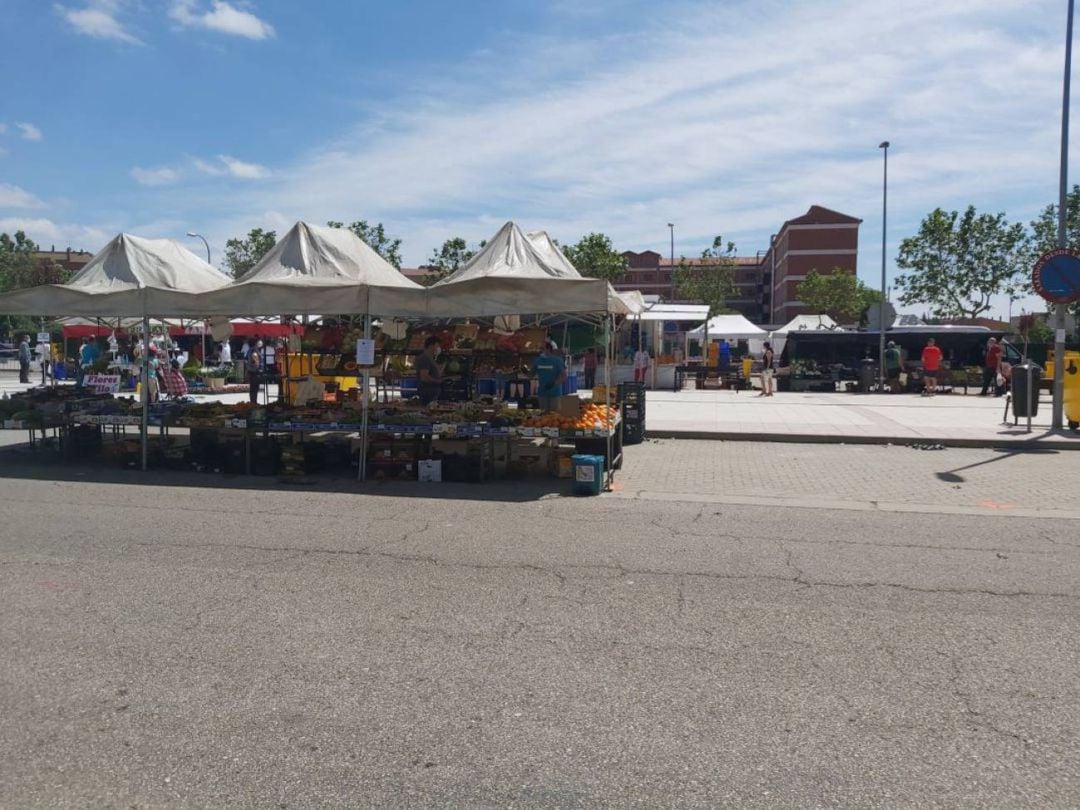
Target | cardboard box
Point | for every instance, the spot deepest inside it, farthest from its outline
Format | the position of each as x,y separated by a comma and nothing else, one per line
430,470
570,406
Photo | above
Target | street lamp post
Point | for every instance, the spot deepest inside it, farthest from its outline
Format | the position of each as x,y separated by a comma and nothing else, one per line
671,227
1059,309
884,145
200,236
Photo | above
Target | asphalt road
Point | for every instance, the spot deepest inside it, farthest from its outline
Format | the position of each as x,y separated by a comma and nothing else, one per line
194,641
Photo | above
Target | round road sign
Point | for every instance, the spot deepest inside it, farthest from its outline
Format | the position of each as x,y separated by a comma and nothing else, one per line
1056,276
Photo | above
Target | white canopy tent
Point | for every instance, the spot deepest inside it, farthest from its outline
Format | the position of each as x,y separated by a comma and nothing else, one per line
510,276
314,269
731,327
130,276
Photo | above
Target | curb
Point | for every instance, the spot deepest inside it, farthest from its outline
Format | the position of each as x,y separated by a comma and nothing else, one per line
1018,445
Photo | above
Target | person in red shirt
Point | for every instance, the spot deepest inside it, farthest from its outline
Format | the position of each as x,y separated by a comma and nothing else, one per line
991,368
931,362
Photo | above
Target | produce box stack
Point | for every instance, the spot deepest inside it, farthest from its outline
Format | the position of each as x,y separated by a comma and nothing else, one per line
292,460
632,397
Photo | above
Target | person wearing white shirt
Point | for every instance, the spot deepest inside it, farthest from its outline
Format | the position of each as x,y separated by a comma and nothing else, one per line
225,356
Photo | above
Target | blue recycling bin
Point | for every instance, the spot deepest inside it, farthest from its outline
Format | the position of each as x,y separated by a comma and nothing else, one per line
59,371
487,386
570,385
588,474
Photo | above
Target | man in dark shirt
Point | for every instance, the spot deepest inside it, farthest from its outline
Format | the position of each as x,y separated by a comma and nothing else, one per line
428,373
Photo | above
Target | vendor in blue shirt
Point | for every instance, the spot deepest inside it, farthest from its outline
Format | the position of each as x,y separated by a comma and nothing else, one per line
550,371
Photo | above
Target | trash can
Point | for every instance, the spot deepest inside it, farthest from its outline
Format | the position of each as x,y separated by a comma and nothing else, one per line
632,399
1026,377
588,474
868,375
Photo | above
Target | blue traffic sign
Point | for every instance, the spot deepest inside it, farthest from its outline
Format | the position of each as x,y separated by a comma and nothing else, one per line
1056,276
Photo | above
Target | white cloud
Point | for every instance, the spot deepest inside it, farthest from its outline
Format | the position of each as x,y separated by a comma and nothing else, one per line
232,167
98,19
29,131
155,177
222,17
48,233
15,197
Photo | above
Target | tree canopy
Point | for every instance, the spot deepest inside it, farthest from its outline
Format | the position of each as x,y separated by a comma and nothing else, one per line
19,268
840,295
957,262
1044,234
594,256
243,254
376,238
448,259
711,282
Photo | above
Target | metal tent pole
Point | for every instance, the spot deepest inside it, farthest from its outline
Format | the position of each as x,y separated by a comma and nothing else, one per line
144,427
607,397
1057,416
364,419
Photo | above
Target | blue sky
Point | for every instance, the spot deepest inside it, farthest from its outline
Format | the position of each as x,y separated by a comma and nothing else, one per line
440,119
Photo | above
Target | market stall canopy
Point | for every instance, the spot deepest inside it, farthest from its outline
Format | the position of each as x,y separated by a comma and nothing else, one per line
314,269
510,276
620,303
732,327
694,313
130,276
802,323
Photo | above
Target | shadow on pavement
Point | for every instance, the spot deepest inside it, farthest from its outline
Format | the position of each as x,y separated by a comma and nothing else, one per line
952,477
26,464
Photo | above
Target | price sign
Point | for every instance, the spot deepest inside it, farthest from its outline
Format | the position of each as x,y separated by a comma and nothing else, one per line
365,352
102,383
42,337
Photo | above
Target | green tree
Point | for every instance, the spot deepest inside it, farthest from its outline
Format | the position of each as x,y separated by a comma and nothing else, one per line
243,254
957,262
594,256
19,268
839,294
1044,235
453,254
711,281
376,238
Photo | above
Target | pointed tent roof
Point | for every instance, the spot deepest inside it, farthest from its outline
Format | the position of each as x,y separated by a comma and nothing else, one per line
735,327
314,269
802,323
130,276
510,276
552,254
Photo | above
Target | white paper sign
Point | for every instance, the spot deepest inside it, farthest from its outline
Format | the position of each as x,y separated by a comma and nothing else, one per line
365,352
42,337
1059,336
102,383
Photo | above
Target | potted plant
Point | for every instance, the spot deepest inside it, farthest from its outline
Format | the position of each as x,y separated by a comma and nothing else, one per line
214,376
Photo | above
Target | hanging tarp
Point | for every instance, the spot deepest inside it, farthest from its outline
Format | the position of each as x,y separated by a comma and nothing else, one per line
130,276
314,269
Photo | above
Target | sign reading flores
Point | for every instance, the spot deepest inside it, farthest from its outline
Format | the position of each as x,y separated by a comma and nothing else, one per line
1056,276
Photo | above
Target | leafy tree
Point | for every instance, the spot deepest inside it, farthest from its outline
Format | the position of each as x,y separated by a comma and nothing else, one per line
840,295
448,259
711,282
243,254
19,268
957,263
1044,234
595,257
376,238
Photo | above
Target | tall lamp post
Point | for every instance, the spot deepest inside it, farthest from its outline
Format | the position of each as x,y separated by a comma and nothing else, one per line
671,227
194,235
884,145
1059,309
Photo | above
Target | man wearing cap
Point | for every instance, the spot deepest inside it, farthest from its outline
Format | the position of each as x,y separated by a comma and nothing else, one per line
550,371
893,366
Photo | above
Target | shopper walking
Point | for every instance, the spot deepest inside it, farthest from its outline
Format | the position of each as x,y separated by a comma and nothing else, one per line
894,365
24,359
991,368
641,364
768,359
588,364
931,362
254,367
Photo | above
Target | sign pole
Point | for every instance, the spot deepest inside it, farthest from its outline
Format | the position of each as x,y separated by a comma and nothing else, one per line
1059,310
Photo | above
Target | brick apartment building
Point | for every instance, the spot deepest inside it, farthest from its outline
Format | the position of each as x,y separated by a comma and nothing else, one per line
766,284
73,260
